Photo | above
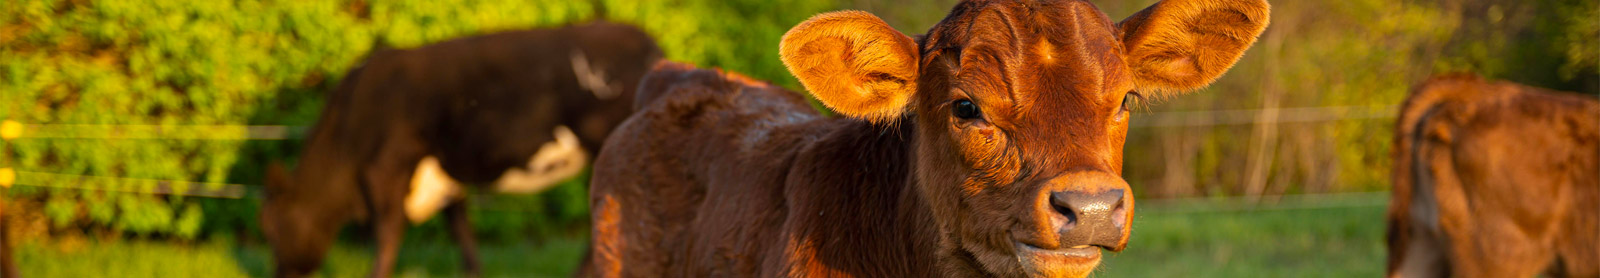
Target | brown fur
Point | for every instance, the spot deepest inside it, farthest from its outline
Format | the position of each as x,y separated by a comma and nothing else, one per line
1177,60
717,175
855,63
482,105
1495,179
8,264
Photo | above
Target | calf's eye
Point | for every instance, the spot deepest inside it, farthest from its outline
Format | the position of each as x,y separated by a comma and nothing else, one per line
965,109
1129,99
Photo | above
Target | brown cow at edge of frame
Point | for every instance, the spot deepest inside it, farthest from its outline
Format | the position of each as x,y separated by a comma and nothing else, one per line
1495,179
991,146
505,112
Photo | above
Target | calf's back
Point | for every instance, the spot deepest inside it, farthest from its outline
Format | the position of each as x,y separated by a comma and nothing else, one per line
1495,179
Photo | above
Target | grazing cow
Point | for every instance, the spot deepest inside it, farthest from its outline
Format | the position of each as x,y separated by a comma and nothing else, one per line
991,146
510,111
8,264
1495,179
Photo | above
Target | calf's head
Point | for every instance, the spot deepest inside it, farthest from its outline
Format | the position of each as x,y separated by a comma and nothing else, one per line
1021,111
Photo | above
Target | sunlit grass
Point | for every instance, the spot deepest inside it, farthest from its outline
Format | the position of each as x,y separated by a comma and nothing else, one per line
227,258
1299,242
1204,240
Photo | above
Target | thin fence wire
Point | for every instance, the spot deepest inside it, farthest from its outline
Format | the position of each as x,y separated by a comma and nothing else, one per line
1218,204
1253,116
173,132
288,132
17,131
129,185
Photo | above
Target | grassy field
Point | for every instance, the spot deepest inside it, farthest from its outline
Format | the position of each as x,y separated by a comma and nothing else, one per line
1334,237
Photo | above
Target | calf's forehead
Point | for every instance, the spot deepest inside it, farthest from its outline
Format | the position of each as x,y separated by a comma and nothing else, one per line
1048,72
1032,51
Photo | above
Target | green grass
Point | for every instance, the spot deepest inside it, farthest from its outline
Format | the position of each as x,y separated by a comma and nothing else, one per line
1338,239
226,258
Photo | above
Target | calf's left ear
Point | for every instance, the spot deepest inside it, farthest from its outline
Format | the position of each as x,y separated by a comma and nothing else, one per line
1177,46
854,63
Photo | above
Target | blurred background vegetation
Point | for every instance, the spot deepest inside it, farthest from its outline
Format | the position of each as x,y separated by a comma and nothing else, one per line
163,62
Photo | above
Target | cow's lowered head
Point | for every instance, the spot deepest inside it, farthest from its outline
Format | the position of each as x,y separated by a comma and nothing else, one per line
294,220
1021,112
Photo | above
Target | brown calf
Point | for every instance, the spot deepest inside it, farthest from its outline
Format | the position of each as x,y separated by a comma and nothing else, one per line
1495,179
403,129
992,146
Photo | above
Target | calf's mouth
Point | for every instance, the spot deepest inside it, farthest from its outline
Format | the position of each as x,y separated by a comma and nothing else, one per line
1075,261
1069,255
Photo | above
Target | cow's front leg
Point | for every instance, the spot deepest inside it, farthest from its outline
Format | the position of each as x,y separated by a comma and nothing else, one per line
389,217
388,180
388,231
8,266
461,231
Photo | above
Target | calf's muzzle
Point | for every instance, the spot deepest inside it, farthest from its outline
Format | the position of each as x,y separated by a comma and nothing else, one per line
1090,219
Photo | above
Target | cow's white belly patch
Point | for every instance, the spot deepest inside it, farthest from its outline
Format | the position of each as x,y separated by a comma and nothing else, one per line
432,189
555,161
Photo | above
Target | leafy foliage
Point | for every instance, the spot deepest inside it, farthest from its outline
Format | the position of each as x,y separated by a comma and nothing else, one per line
147,62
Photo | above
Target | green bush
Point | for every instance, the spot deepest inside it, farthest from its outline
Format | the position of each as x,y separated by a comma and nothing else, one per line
160,62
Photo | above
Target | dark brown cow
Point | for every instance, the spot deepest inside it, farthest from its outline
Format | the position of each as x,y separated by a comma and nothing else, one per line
403,129
1495,179
8,264
992,146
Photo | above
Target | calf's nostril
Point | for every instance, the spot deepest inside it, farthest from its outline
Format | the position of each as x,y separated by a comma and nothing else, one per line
1064,210
1118,215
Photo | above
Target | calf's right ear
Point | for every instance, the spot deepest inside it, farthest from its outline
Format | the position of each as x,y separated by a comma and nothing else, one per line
854,63
1177,46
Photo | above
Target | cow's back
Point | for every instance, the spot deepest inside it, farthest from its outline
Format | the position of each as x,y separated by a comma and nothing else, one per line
488,103
695,174
1496,179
